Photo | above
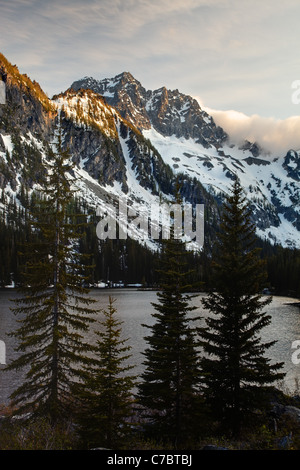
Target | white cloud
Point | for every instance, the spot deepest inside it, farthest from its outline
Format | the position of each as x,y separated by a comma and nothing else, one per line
274,135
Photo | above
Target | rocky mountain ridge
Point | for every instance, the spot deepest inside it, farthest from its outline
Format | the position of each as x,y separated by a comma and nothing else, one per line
168,112
192,144
131,142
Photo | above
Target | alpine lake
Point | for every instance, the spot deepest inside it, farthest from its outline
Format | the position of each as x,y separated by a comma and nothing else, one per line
134,308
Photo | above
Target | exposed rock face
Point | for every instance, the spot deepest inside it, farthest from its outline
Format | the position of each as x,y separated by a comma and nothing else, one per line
124,93
109,147
254,148
142,142
169,112
27,107
292,164
27,112
100,156
99,140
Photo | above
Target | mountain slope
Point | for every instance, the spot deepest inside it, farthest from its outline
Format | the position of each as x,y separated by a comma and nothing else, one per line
137,144
192,145
168,112
113,159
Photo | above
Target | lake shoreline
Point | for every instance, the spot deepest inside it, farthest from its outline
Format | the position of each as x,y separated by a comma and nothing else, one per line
135,309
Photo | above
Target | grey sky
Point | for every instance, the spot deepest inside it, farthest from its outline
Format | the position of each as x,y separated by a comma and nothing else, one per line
238,55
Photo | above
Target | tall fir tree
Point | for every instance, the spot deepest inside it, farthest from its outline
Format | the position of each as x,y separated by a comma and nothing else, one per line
236,371
169,390
106,409
54,307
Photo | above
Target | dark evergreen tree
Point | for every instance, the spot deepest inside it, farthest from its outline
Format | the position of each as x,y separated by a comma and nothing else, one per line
54,307
106,408
169,391
236,371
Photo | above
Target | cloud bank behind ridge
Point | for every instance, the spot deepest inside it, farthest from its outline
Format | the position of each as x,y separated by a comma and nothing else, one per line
275,136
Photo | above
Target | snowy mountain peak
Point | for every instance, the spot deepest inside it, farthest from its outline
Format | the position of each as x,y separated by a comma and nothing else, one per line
169,112
189,141
126,140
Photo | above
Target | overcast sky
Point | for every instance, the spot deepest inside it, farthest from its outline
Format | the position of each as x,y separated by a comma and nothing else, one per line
233,55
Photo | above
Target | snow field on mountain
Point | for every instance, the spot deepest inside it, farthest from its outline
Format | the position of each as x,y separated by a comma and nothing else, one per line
215,170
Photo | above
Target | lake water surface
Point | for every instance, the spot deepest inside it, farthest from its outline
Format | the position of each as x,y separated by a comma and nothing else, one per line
134,308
